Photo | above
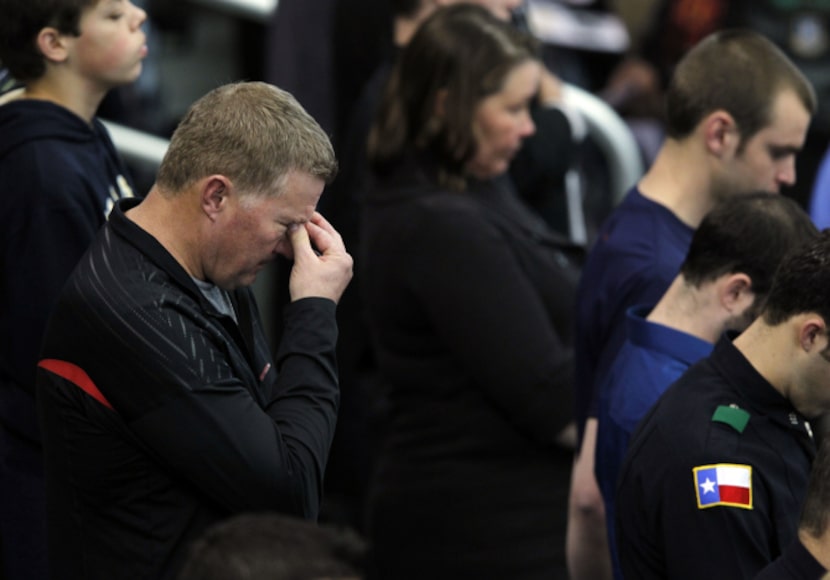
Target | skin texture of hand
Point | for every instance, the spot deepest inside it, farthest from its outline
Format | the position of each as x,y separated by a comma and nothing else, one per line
325,273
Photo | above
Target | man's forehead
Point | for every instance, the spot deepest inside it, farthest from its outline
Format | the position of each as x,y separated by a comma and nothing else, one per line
789,121
789,110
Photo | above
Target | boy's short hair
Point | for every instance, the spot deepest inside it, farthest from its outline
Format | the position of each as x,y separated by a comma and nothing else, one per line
20,25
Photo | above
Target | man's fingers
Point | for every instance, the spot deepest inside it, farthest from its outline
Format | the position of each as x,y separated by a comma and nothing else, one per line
300,241
324,273
324,236
318,219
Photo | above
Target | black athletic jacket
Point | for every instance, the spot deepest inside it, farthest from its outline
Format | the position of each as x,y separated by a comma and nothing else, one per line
161,416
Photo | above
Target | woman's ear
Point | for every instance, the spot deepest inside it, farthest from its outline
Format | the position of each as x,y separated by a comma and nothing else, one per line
435,122
440,107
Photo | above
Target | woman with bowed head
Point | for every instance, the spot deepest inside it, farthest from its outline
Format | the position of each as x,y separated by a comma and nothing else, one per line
469,297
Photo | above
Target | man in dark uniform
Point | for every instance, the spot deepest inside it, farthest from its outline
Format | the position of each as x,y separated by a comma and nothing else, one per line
716,473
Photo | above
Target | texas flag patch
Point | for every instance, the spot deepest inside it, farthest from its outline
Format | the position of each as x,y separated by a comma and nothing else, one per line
723,484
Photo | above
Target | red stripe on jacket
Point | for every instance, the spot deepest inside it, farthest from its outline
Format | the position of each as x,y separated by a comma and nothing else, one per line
75,375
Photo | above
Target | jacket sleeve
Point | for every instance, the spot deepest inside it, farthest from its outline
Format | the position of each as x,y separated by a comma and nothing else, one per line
252,454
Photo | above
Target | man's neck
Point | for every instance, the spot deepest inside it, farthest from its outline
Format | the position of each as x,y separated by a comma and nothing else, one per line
679,181
769,349
169,228
686,309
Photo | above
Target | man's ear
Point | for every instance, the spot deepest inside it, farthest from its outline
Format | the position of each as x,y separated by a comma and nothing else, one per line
214,192
720,133
813,333
736,293
53,44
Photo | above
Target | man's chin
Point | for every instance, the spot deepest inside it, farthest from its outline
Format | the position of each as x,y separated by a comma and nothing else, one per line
243,281
250,277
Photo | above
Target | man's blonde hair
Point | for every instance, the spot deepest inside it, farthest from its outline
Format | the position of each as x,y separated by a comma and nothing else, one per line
253,133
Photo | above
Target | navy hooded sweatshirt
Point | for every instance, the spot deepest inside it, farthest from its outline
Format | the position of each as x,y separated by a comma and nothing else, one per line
59,178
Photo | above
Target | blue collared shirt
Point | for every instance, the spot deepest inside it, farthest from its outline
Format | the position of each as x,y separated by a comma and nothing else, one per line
652,358
637,254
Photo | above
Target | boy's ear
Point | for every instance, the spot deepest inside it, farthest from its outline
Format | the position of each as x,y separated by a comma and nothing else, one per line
52,44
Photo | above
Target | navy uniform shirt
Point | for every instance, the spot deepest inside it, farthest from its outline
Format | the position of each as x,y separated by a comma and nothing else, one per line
715,476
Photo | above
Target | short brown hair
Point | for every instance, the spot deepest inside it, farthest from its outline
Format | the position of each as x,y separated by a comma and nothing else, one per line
738,71
801,282
251,132
749,233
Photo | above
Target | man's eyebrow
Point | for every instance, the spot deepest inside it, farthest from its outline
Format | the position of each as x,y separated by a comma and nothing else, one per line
780,150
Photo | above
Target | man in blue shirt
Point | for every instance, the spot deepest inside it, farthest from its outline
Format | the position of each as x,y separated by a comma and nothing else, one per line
722,283
737,112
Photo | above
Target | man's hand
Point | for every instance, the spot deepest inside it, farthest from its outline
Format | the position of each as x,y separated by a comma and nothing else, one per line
324,273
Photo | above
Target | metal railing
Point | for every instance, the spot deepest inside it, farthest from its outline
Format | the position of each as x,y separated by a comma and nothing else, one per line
613,137
257,10
137,147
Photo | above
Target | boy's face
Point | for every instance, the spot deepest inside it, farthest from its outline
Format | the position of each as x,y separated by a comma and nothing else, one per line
112,45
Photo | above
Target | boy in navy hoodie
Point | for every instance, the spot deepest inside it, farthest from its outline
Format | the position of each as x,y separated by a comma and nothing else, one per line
60,177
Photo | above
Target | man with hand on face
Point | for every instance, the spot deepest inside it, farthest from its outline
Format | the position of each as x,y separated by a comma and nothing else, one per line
162,408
